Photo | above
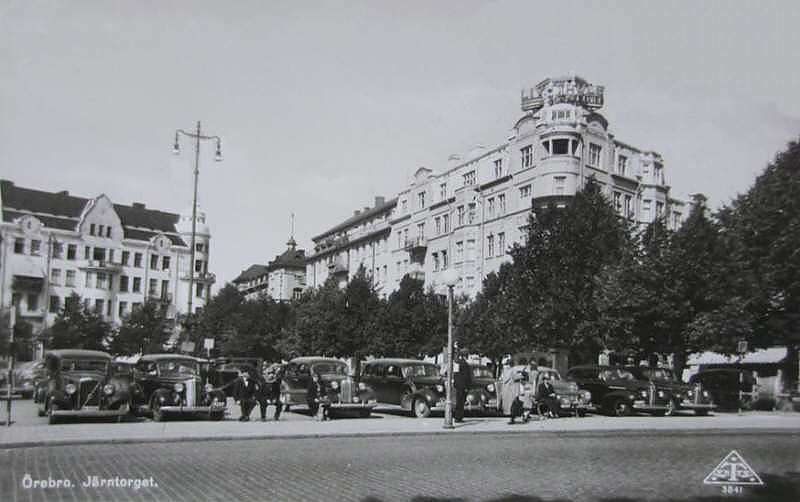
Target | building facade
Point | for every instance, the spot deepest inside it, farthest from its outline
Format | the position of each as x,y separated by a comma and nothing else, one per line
114,257
282,279
471,210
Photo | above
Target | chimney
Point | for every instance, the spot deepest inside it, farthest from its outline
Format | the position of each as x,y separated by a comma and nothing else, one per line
138,205
379,200
63,192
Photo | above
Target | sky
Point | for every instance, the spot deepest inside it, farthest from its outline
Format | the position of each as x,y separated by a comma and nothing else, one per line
321,106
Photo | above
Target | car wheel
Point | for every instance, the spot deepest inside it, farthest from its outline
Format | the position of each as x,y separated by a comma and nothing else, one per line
620,407
52,418
155,407
421,409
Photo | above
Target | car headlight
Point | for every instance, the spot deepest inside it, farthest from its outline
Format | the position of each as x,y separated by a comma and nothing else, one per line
587,395
661,394
178,387
362,386
70,388
439,388
208,387
108,389
690,393
335,385
490,387
706,394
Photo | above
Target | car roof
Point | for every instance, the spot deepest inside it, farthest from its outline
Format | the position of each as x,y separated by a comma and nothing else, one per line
315,359
163,357
398,360
79,354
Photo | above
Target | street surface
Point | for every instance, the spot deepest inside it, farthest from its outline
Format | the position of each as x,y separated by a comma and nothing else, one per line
463,467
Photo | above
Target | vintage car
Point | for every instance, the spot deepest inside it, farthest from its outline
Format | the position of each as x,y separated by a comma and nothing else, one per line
171,385
730,388
27,377
614,390
408,384
526,379
82,383
482,395
347,395
684,396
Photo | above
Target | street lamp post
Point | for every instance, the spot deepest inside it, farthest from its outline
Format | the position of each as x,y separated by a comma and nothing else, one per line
197,136
450,277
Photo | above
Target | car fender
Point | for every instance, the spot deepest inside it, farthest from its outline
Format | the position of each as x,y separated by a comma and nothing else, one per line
616,394
164,395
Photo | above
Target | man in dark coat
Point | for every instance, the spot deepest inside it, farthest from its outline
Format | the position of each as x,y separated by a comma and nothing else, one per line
546,395
318,398
462,380
272,390
245,389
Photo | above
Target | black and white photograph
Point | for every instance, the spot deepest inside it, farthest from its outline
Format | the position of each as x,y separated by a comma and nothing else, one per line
381,251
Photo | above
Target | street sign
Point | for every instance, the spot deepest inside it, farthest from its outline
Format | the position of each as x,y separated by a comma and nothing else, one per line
208,343
733,470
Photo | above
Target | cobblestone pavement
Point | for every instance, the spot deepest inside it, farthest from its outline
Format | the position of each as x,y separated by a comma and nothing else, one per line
422,468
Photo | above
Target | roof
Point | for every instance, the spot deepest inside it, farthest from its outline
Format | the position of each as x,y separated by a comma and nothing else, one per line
291,258
363,215
252,272
314,359
164,357
760,356
397,360
79,354
62,211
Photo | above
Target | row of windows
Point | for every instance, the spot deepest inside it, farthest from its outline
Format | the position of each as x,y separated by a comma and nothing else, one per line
99,230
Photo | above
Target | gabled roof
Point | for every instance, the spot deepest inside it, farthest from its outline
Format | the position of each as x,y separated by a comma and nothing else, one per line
62,211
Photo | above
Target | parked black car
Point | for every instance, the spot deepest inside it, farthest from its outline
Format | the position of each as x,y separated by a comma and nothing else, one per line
347,395
482,395
730,388
614,390
684,396
83,383
168,385
407,384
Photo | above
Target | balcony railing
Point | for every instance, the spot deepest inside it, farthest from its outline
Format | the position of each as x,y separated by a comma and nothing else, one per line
415,243
103,266
201,277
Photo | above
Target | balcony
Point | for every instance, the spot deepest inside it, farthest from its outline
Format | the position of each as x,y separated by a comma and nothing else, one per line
337,267
102,266
201,278
417,248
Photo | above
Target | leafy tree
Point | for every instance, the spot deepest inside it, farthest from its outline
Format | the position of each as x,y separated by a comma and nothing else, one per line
76,327
256,328
556,273
217,318
145,330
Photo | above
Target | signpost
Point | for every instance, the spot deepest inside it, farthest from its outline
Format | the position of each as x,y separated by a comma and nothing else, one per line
741,348
208,344
12,321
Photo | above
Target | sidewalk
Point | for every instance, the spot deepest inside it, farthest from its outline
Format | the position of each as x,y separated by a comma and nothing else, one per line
17,436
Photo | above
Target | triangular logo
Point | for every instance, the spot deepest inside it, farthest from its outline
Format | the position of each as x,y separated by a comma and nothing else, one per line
733,470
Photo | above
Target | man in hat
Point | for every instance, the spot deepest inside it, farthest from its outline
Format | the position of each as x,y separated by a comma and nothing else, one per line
462,380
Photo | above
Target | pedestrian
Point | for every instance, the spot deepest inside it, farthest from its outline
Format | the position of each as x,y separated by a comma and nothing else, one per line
318,402
462,380
273,379
244,392
546,396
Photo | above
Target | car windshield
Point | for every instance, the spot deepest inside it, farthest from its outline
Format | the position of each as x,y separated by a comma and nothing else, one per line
330,368
84,365
177,368
481,372
616,374
421,370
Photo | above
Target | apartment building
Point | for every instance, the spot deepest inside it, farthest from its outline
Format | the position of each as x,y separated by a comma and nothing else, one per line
282,279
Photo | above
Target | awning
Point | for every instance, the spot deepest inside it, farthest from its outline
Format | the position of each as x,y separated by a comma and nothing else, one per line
760,356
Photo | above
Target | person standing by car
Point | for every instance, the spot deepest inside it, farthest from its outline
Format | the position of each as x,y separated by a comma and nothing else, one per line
317,398
244,392
462,380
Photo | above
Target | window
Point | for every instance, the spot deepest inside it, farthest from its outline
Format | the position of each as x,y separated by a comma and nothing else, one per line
421,230
152,288
404,206
87,252
560,146
135,306
165,263
628,206
525,192
498,168
198,290
446,223
72,251
658,174
460,214
659,209
137,260
19,246
594,155
490,246
154,262
123,283
399,239
471,213
444,259
435,257
470,249
501,204
137,285
421,200
99,254
646,210
198,265
559,182
36,246
98,305
108,307
123,306
437,225
199,247
101,280
164,289
443,191
69,279
490,207
88,281
460,251
58,250
470,178
501,243
622,164
55,304
91,229
126,257
32,300
618,202
526,156
55,277
108,233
